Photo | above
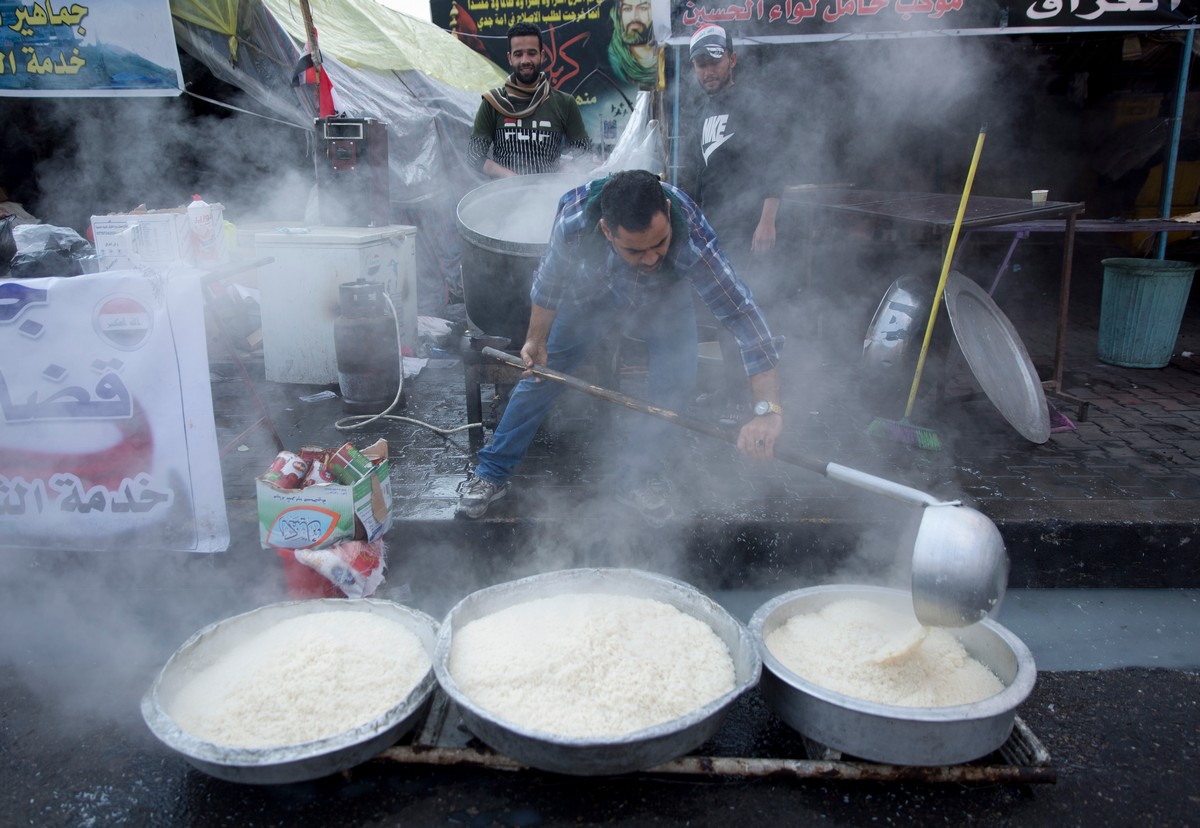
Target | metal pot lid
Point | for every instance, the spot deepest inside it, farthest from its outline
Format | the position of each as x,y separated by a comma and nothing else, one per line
894,335
997,358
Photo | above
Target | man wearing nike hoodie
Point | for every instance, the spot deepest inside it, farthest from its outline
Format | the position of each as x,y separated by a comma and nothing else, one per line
731,171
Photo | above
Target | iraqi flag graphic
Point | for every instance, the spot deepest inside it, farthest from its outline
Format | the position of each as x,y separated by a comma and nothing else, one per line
124,322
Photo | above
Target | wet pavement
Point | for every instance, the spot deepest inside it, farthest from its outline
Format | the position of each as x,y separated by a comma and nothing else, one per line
1124,744
1100,523
1111,502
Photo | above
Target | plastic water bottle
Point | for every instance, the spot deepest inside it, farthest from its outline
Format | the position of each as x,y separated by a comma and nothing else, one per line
204,232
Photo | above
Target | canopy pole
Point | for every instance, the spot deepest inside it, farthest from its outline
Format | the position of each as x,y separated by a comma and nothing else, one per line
678,127
311,37
1168,188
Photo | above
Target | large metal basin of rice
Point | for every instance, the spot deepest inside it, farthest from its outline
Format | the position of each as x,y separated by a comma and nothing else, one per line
291,763
599,756
890,733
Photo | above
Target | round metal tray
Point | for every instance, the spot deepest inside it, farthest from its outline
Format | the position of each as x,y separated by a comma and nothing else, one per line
292,763
998,358
884,732
588,756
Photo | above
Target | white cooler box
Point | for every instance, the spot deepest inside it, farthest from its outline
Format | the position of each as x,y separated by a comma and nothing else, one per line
299,291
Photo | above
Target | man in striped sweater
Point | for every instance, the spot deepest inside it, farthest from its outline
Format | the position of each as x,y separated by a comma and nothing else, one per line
524,126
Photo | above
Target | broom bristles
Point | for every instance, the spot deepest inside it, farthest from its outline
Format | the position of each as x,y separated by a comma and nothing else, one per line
905,432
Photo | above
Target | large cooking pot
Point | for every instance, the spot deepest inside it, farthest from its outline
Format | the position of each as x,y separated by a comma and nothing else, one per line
505,227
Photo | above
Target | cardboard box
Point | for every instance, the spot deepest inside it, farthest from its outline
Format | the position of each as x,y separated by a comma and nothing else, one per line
323,516
153,238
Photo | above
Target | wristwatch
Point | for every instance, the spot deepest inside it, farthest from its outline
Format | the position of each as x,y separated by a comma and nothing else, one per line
763,407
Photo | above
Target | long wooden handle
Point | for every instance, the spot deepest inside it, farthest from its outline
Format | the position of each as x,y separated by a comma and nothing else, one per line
941,286
832,471
311,38
627,401
667,414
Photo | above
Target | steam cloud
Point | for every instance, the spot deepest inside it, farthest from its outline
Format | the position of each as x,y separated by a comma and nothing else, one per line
896,115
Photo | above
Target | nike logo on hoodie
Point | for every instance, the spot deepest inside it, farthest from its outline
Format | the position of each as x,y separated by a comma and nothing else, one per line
713,134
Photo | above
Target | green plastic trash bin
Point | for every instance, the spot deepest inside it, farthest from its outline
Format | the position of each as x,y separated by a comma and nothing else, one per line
1141,308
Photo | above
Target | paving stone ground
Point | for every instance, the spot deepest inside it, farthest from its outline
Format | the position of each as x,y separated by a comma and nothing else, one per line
1112,502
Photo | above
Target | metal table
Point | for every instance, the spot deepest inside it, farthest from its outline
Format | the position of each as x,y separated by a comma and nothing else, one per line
939,210
751,743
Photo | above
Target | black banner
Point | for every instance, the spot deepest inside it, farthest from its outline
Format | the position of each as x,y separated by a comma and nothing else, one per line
826,19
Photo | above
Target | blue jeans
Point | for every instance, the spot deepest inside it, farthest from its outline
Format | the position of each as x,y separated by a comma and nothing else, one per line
667,326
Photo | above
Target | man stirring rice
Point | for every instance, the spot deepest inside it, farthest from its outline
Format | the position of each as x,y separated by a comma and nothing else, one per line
625,253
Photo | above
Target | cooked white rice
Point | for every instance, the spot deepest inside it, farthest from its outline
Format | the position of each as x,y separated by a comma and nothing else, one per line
302,679
590,665
849,647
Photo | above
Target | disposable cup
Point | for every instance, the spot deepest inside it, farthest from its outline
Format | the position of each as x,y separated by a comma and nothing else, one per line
1039,196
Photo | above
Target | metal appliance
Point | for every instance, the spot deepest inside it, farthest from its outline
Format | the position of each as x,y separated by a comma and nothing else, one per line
367,349
299,291
352,172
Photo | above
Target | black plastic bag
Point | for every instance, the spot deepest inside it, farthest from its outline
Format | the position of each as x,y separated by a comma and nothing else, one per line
8,245
46,250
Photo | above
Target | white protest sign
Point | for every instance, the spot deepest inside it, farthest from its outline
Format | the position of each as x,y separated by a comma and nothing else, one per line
106,427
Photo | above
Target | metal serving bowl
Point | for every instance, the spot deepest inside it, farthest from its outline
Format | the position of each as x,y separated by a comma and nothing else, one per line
595,756
292,763
890,733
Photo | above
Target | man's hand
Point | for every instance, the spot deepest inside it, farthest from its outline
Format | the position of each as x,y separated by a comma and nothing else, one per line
533,352
757,437
764,233
764,237
494,170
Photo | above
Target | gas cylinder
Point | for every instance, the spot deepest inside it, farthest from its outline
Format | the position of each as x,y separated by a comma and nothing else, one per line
367,349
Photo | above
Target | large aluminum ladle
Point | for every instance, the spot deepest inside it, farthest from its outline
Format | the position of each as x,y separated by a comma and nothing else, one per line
959,566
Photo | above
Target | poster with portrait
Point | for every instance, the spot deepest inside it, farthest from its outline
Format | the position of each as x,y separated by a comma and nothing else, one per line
107,437
599,52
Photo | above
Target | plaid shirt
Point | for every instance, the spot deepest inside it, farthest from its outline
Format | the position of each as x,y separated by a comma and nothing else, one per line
580,267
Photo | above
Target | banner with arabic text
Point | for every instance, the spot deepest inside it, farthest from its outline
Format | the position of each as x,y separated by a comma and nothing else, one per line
117,47
827,19
107,436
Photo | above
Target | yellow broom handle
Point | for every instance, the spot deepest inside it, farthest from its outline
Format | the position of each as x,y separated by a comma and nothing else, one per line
941,286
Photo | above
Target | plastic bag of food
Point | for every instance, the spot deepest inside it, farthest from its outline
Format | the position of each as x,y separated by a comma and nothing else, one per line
354,567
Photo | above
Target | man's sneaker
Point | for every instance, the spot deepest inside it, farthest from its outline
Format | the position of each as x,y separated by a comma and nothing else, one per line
477,494
651,500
